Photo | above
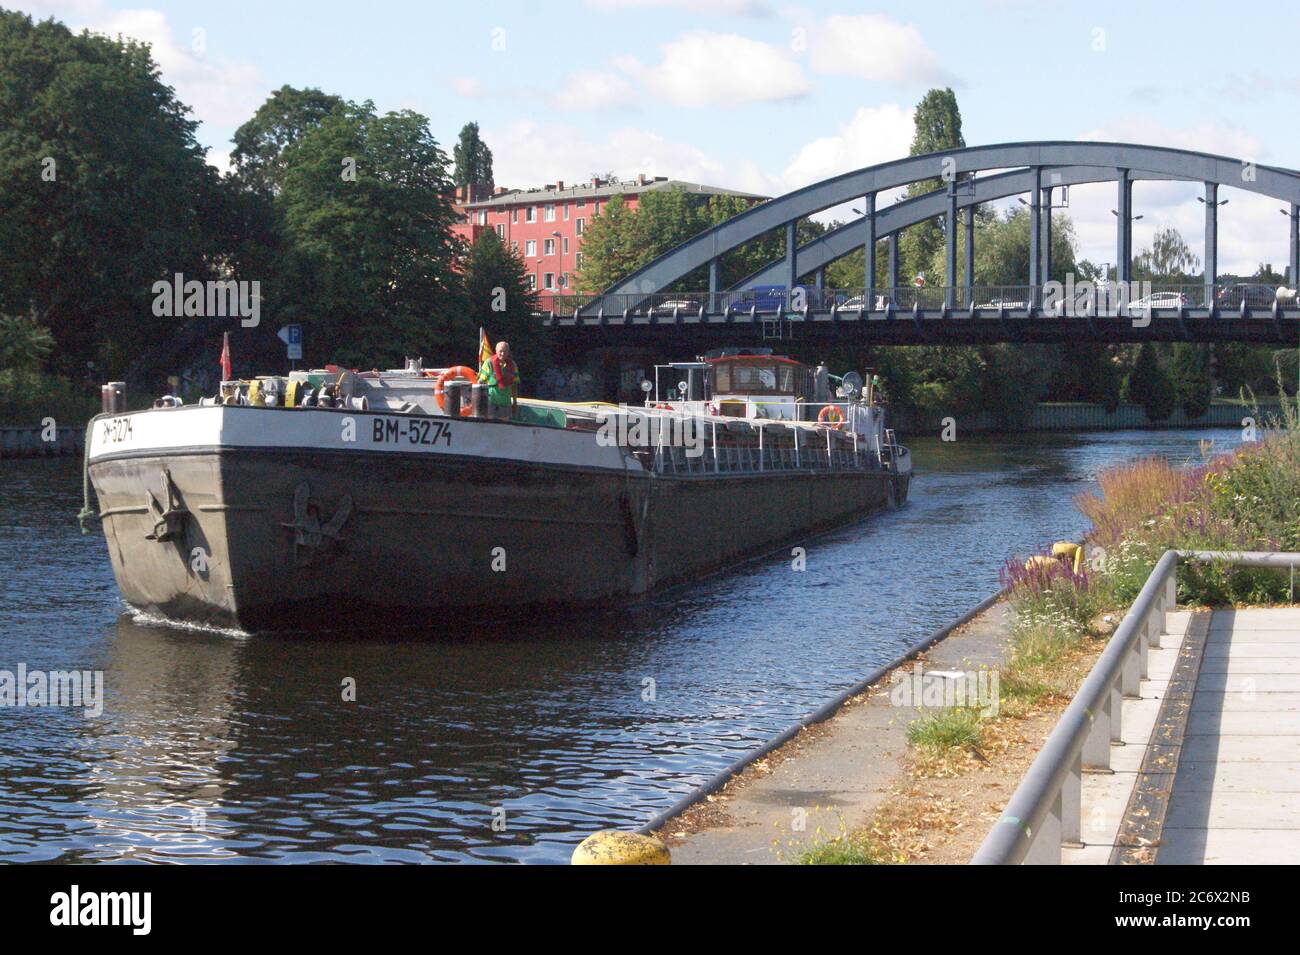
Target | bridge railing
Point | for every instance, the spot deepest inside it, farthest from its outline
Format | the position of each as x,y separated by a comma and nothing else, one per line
1045,811
1077,299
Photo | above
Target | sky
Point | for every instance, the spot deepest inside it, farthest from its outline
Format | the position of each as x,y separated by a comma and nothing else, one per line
762,96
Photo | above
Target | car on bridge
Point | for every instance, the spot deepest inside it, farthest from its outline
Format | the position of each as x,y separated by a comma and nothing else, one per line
1254,294
1162,300
854,304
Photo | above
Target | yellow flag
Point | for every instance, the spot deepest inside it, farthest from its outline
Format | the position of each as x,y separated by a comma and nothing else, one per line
484,347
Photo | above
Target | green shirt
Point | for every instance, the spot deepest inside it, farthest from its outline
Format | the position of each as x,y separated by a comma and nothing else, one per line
498,395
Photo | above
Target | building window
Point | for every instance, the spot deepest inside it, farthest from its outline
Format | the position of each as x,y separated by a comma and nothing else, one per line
548,247
514,215
565,245
578,263
532,282
550,213
582,203
501,230
482,217
530,214
566,212
579,224
530,248
514,246
548,280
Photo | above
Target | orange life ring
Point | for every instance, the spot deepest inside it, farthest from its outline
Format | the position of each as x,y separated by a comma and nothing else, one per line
831,412
455,371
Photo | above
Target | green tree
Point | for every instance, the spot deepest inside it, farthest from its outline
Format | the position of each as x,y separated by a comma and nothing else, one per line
1189,367
610,247
1169,260
937,122
286,116
24,343
473,159
1149,385
499,300
102,189
367,257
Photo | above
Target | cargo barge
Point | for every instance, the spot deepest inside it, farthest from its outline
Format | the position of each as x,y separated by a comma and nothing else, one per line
334,498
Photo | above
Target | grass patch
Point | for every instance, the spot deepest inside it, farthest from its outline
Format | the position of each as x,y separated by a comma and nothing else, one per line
842,850
955,727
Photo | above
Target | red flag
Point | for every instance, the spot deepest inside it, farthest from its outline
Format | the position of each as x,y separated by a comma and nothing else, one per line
225,356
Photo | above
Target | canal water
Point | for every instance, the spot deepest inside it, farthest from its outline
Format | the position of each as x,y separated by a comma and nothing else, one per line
506,745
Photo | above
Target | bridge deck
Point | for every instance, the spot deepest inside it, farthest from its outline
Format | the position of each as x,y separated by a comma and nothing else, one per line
1236,794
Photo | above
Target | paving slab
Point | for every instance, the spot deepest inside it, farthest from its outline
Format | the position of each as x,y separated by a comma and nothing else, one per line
1236,793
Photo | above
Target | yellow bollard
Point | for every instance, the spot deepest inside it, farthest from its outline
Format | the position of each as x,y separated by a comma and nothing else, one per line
1067,549
612,847
1038,560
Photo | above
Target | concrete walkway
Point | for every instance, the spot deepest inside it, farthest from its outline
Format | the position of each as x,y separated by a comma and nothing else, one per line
1236,794
1105,796
833,782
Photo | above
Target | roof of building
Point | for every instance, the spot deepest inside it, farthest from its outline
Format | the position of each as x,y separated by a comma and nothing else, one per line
602,189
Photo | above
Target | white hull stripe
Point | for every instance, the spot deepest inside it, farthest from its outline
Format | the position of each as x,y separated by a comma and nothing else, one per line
195,426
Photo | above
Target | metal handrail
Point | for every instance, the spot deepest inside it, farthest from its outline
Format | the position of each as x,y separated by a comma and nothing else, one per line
1045,810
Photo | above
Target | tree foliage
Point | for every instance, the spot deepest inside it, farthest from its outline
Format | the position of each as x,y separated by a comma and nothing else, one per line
1169,260
1189,367
1150,386
499,300
103,188
286,116
367,253
473,159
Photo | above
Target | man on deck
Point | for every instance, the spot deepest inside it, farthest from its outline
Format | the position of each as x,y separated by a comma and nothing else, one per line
501,375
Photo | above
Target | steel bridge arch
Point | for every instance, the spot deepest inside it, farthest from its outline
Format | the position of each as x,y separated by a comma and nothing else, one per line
890,221
1033,158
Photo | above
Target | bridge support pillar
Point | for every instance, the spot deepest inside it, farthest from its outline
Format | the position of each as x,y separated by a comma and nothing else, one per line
950,246
1035,236
1124,228
791,268
970,255
1047,234
1293,260
1211,240
869,250
893,263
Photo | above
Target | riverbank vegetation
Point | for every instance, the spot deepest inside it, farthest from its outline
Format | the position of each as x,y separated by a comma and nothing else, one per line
1065,604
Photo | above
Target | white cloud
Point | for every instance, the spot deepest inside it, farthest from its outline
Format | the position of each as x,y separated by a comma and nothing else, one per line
467,86
593,90
529,154
1251,230
742,8
875,48
875,134
719,70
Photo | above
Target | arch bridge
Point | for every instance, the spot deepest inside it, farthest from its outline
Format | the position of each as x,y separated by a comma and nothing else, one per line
788,298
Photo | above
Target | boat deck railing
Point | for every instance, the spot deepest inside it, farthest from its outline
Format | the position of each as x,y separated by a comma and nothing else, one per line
688,444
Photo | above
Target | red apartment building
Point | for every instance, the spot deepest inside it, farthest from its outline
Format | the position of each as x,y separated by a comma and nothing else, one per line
544,226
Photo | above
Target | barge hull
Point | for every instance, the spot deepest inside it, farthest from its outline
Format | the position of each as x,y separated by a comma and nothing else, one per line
296,539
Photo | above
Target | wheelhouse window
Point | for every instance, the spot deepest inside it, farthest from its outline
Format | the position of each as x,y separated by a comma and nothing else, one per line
757,378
